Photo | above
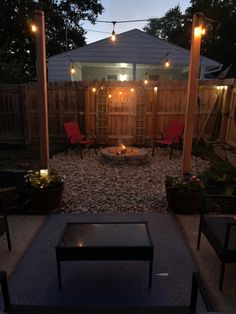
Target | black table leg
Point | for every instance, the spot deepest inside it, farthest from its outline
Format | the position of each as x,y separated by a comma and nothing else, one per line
150,273
59,273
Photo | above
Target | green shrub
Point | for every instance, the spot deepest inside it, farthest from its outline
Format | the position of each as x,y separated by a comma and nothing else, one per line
220,178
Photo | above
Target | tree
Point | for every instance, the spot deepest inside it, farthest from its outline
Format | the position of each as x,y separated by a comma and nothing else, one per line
220,40
17,50
169,27
219,43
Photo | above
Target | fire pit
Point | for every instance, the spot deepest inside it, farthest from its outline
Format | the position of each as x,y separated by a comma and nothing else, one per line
119,155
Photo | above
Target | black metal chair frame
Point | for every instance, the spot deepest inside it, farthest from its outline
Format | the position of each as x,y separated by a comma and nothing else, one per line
209,224
34,309
4,226
80,146
172,146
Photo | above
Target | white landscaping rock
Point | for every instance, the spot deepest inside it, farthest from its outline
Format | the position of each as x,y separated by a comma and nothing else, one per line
93,187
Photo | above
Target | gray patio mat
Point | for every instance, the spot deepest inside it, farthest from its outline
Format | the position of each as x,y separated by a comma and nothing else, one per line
105,283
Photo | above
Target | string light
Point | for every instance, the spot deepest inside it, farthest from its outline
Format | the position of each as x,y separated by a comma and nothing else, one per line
72,70
132,90
109,96
199,30
94,89
113,34
146,79
167,62
34,28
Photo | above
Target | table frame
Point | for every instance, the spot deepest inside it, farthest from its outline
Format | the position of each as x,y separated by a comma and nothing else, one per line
107,253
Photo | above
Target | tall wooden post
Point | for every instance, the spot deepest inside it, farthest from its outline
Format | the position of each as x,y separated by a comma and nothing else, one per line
42,89
192,91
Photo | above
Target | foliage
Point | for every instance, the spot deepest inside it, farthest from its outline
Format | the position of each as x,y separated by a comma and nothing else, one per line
187,184
169,27
220,178
205,152
17,51
39,181
220,38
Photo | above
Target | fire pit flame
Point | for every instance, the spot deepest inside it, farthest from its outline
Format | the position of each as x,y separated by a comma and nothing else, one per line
121,154
122,149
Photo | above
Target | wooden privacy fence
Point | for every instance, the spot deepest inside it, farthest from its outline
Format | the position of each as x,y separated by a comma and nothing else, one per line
128,112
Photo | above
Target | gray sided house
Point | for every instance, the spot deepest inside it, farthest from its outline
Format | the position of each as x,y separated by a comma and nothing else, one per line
134,55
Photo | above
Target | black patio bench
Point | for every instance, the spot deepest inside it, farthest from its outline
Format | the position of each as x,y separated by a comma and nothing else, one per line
176,309
219,229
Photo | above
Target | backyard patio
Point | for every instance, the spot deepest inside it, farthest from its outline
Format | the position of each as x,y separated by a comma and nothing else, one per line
94,191
118,226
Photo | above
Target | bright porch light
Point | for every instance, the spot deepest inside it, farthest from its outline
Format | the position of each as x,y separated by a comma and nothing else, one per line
123,77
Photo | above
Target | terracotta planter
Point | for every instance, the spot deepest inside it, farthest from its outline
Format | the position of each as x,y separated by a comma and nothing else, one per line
46,200
183,202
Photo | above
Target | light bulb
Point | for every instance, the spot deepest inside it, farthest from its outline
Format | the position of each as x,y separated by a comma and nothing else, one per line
34,28
113,36
146,80
167,64
72,70
197,31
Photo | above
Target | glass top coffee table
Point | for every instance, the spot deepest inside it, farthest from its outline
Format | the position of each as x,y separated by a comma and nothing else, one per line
105,241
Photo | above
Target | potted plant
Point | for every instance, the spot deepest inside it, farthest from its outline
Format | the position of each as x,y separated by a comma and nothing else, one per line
184,194
45,190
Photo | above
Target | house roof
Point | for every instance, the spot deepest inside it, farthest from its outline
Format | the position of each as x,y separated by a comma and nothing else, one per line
133,46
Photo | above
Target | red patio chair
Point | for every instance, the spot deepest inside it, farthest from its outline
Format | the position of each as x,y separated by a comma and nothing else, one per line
172,138
75,137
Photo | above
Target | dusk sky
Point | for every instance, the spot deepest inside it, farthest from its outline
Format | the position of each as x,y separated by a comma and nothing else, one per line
118,10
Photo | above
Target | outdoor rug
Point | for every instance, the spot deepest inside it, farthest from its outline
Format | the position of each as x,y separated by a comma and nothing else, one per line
105,283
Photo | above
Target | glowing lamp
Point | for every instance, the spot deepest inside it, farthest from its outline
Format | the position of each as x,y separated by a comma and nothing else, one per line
34,28
197,31
155,89
113,36
94,89
146,80
167,64
132,90
109,96
43,172
72,70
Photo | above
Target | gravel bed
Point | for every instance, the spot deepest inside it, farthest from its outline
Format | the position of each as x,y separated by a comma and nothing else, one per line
93,187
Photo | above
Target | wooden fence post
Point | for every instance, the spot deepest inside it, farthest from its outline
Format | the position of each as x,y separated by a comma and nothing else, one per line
42,89
192,92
